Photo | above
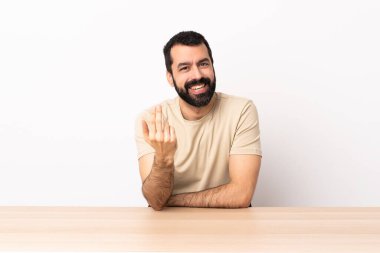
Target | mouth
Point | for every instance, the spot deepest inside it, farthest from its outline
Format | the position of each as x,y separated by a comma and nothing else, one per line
198,89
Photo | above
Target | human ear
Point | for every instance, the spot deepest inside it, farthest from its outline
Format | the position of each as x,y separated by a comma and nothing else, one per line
169,77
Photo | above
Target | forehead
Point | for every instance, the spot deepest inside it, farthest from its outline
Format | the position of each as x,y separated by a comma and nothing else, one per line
182,53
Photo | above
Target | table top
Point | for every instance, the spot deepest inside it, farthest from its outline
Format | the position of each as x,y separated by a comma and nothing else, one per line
259,229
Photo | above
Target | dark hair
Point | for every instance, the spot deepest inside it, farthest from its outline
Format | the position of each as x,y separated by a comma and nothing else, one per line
187,38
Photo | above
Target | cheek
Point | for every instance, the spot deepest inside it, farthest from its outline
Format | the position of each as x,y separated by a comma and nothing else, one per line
210,74
182,79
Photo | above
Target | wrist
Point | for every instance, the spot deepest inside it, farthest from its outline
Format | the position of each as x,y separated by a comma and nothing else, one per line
163,160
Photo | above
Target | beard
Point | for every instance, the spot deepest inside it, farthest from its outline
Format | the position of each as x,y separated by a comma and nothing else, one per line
197,100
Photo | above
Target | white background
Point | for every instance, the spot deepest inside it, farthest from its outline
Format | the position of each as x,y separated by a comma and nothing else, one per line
74,75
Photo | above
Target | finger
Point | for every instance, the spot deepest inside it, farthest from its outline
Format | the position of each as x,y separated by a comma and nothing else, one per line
158,119
152,124
166,132
173,137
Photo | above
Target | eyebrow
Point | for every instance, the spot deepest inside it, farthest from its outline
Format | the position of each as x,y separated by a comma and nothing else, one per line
188,63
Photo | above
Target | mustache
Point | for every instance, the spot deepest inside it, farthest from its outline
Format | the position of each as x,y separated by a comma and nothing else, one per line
204,80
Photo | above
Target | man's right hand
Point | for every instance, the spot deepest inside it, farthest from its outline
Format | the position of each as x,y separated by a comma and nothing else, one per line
158,185
160,135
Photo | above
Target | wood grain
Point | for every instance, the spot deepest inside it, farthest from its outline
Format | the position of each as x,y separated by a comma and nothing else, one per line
258,229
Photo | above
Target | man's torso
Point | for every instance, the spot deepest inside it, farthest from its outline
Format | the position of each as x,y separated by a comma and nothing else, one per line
204,145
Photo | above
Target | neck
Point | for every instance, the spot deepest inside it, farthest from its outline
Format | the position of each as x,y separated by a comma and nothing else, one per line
190,112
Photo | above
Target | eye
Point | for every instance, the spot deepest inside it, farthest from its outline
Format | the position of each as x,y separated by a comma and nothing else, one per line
183,68
204,64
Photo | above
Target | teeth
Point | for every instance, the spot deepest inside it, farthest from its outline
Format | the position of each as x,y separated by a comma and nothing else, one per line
198,87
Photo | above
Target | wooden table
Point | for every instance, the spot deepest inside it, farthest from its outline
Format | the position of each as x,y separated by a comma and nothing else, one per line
258,229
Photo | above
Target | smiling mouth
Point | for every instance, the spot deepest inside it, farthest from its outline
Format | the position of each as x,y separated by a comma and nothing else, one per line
198,87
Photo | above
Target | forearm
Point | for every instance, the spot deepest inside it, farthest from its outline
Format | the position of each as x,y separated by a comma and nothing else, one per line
158,186
224,196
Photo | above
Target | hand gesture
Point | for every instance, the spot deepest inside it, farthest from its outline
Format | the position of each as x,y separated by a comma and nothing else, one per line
159,134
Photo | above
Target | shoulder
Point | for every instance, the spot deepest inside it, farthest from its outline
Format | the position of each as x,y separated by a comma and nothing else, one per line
235,104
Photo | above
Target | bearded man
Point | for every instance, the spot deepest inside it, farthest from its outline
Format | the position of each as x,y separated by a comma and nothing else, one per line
202,148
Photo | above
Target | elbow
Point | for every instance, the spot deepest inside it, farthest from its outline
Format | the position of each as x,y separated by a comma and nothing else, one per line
157,207
245,201
152,200
244,204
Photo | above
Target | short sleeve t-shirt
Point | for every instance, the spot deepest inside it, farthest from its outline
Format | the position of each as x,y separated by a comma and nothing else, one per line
204,145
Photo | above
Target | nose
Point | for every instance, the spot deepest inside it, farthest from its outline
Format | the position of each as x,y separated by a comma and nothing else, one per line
197,74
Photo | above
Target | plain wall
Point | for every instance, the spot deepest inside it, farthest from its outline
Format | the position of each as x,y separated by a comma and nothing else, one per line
75,74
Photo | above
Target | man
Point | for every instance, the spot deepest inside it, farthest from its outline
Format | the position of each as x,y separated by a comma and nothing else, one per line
201,149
